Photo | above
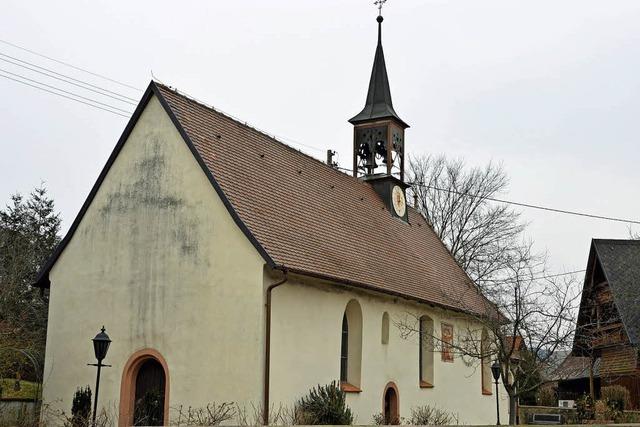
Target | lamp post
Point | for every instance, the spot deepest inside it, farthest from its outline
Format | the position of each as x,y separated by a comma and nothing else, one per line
495,370
100,346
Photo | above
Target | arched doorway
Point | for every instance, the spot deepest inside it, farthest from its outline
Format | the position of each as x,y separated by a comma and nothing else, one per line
144,391
148,404
391,405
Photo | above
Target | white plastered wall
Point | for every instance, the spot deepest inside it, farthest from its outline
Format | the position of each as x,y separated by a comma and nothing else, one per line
159,261
306,332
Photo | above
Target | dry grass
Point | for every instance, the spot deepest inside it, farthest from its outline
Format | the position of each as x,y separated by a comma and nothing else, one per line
28,389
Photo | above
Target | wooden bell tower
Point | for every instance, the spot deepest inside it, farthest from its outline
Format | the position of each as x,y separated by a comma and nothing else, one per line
378,136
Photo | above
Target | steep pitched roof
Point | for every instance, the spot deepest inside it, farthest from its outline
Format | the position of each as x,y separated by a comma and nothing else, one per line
308,218
378,104
620,262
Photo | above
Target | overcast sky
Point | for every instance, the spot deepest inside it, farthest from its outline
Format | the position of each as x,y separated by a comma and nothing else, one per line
549,88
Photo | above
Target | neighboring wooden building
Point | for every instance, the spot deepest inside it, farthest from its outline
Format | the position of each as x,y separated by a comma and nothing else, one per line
570,380
608,325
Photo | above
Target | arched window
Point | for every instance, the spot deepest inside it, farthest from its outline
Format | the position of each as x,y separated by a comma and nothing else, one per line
351,347
344,349
485,362
426,352
385,328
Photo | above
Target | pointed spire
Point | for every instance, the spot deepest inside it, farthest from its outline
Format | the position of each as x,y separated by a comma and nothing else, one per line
378,104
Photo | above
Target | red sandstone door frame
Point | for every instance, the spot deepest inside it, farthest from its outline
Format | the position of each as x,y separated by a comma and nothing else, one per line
128,385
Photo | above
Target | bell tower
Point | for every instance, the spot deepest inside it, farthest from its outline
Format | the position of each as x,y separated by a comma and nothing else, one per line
378,137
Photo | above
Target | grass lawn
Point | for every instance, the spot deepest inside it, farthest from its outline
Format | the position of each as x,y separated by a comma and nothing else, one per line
27,389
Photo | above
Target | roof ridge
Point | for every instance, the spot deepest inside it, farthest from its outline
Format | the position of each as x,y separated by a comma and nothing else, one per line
632,242
250,127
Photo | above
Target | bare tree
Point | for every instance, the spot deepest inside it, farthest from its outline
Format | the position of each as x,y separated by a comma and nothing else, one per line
529,320
528,315
482,236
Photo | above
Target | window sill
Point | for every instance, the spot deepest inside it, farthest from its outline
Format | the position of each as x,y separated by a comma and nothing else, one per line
348,388
424,384
487,393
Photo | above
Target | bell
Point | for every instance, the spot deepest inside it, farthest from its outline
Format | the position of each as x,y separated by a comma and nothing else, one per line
381,150
370,163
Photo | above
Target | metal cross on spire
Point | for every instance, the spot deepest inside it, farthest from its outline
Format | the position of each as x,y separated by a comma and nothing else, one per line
379,4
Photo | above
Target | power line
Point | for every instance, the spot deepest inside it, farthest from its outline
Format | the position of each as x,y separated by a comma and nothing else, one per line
550,276
65,76
71,65
528,205
65,91
64,96
66,81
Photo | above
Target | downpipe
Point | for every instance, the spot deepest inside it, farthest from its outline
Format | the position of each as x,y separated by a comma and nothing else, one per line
267,347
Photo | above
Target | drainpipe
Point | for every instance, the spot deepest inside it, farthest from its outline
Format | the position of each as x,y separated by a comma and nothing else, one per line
267,348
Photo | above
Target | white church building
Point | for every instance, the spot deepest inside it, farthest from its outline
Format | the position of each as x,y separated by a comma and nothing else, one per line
230,267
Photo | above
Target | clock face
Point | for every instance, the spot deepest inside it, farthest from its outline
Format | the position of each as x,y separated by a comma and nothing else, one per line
399,203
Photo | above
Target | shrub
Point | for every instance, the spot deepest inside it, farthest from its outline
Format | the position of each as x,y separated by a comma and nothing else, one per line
211,415
616,396
378,419
629,417
601,410
324,405
148,409
546,396
430,415
584,408
81,407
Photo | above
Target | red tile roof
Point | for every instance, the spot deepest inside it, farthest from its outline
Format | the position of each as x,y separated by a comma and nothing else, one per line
312,219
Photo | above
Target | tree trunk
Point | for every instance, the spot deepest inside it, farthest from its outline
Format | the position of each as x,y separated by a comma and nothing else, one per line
592,388
513,410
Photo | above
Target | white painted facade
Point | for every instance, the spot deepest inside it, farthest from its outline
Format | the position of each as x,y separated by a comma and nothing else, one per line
158,260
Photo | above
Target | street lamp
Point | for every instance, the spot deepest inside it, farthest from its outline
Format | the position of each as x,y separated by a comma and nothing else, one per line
101,344
495,370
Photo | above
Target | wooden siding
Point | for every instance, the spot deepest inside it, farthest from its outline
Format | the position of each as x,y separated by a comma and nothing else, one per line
619,360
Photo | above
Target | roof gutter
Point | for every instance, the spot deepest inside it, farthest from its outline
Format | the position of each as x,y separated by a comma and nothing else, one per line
267,346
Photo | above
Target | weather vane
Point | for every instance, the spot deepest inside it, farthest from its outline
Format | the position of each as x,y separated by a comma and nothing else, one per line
379,4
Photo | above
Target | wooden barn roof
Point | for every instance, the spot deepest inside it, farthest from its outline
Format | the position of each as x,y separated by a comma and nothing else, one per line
620,262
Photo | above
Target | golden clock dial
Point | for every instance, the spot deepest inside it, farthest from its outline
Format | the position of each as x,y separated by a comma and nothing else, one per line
399,202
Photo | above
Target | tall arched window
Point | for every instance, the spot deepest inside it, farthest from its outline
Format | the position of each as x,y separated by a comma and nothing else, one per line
344,349
426,352
485,362
385,328
351,347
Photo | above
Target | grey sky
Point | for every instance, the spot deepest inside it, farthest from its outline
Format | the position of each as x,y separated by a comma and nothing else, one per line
549,88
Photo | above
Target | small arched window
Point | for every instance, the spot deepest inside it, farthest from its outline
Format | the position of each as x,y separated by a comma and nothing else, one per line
426,352
385,328
351,347
485,362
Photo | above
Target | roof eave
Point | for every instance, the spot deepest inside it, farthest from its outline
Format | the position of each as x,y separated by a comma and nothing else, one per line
363,286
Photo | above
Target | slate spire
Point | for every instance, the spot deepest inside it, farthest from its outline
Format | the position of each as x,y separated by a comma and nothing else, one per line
378,104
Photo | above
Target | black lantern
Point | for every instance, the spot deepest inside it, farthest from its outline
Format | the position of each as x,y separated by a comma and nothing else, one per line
495,371
101,344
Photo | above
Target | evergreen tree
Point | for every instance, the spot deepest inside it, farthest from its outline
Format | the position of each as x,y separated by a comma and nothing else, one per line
28,234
